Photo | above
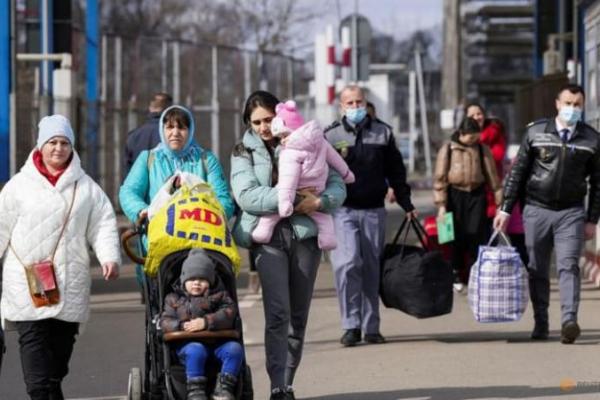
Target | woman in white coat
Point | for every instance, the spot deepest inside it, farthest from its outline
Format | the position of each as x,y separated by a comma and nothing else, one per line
52,210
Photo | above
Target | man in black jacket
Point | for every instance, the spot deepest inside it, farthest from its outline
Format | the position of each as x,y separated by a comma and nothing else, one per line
554,164
146,136
368,147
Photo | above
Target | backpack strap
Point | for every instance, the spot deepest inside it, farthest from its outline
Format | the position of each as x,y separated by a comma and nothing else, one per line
481,161
150,159
448,159
204,158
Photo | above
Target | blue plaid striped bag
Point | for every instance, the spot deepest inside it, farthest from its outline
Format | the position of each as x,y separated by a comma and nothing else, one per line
498,283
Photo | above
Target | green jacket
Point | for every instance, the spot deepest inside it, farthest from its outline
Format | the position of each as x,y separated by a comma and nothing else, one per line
251,173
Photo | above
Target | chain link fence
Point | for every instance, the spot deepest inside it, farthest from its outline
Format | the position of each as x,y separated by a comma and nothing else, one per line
212,81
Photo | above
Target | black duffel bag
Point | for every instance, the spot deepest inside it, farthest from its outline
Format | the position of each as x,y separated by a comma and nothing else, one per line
415,280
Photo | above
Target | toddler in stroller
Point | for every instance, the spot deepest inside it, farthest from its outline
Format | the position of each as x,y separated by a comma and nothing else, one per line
202,303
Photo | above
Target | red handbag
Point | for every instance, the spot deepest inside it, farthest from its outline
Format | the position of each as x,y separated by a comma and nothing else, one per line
41,277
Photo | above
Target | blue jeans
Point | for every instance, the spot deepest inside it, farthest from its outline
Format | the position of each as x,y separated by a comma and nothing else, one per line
194,354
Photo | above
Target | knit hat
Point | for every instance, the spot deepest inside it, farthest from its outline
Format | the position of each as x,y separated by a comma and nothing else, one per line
198,265
287,118
54,125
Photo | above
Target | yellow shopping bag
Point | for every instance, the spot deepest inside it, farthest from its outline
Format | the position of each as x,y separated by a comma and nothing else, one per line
193,217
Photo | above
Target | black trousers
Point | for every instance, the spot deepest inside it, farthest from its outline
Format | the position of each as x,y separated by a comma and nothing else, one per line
470,228
46,347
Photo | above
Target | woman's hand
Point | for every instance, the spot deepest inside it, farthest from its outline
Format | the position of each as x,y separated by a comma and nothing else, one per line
110,270
310,201
441,213
198,324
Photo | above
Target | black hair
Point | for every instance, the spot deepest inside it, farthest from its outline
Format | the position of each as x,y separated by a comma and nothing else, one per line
259,98
571,87
468,125
179,116
474,104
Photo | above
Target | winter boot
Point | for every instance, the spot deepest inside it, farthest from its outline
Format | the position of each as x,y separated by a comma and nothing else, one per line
196,388
225,387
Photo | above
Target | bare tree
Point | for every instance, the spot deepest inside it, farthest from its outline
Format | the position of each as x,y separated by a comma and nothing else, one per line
134,18
275,25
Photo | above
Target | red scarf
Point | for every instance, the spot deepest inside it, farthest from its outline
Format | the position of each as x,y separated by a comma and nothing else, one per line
41,167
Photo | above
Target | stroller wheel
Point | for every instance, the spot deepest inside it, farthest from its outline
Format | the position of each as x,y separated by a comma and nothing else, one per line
134,386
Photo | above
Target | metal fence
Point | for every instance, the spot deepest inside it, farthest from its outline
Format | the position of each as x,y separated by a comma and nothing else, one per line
213,81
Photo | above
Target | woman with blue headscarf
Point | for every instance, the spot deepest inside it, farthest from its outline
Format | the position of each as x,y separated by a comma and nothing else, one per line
177,151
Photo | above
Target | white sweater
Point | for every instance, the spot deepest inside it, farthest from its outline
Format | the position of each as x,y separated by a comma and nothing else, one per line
32,213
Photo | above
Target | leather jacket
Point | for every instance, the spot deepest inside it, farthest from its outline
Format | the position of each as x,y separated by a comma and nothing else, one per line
554,175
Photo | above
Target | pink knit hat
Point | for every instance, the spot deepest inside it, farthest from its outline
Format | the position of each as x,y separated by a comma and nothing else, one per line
287,118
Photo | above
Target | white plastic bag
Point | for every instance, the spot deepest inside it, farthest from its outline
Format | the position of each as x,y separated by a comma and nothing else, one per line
164,195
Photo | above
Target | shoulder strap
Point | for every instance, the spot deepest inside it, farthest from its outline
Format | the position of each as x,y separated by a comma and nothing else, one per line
61,231
65,223
204,158
449,159
150,160
481,160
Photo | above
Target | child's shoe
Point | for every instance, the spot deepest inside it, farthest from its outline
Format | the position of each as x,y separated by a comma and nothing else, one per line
196,388
225,387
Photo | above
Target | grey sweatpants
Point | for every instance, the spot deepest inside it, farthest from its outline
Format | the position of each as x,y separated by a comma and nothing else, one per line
287,269
563,230
355,262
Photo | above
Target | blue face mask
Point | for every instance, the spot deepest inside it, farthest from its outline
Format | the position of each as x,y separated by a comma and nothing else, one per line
570,115
356,115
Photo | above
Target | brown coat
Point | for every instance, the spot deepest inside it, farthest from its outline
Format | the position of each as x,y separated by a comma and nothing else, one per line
465,172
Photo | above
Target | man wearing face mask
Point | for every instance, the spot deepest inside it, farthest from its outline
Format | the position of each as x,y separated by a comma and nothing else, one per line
551,172
368,147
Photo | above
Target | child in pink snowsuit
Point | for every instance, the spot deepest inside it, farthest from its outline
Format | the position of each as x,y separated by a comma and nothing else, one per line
303,162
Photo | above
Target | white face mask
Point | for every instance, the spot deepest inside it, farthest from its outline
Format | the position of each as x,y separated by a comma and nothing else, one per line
570,115
356,115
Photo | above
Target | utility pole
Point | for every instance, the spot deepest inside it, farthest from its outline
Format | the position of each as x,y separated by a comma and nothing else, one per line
5,90
451,67
92,32
13,88
46,39
354,52
423,110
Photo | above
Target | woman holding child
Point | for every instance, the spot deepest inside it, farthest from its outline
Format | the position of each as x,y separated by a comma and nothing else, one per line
287,264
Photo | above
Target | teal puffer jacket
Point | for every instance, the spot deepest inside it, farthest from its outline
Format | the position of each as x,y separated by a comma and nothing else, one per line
251,174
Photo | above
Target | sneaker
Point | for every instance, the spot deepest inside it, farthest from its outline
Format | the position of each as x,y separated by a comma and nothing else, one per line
350,338
540,331
569,332
459,287
374,338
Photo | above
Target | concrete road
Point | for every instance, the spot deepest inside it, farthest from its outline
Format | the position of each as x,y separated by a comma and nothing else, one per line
445,358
